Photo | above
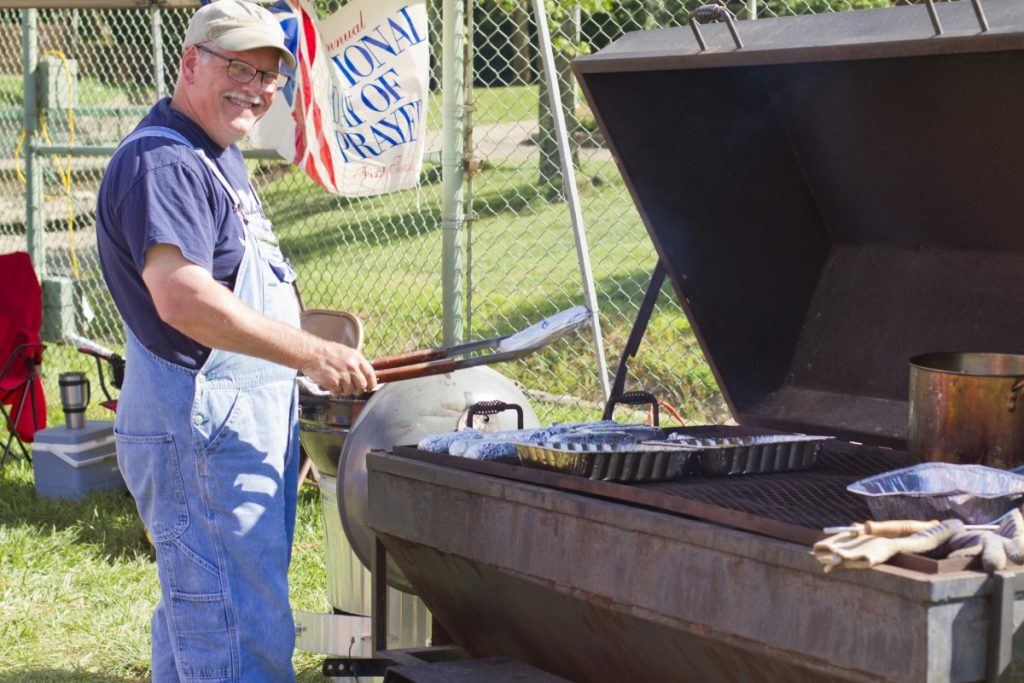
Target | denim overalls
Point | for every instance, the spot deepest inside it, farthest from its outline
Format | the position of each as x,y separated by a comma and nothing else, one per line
211,459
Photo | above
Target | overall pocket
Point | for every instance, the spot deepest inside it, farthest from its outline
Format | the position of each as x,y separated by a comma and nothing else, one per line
149,464
283,271
280,300
213,418
204,639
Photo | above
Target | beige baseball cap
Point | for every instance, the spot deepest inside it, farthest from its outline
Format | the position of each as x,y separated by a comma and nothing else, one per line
237,26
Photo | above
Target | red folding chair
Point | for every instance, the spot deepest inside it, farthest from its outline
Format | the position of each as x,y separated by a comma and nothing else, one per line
22,402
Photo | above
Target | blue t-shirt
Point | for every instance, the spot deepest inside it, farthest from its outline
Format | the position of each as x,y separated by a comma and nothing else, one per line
158,191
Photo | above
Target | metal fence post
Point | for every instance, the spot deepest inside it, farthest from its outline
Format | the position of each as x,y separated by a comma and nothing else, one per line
158,50
468,152
33,171
452,213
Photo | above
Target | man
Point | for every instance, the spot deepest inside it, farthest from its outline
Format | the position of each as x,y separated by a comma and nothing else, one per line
206,425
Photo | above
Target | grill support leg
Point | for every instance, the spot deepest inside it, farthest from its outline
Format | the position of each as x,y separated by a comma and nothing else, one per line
643,316
379,607
1000,626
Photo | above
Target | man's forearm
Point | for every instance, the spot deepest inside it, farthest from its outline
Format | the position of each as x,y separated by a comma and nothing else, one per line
188,299
219,320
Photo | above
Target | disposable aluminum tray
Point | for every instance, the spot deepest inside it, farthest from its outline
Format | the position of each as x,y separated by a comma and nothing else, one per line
765,454
658,461
939,490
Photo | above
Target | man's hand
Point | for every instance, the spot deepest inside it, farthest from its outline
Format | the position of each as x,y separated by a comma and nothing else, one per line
341,370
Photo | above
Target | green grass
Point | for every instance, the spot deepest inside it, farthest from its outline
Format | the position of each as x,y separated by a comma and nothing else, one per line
381,261
493,105
77,580
78,584
504,105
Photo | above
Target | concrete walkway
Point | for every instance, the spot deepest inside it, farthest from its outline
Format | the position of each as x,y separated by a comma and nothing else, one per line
513,141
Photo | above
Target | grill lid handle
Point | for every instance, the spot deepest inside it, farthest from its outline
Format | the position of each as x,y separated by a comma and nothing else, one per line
979,14
713,13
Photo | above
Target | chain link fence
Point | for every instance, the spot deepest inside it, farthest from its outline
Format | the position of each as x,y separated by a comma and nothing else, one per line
378,257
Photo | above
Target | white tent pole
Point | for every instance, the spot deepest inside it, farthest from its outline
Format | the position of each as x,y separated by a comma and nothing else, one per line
571,191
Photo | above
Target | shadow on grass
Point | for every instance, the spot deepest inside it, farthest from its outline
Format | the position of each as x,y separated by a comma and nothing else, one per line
59,676
304,245
105,520
617,299
512,198
316,226
668,362
280,192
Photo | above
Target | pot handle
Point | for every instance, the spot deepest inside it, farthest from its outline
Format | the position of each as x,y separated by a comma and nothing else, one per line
1014,392
635,398
493,408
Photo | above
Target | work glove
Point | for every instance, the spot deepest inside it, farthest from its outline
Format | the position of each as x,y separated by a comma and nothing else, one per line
995,547
857,550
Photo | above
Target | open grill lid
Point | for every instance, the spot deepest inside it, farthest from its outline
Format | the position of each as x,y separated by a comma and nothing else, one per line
838,195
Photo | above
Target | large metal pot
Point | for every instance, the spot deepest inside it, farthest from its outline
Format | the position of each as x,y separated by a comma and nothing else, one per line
324,422
966,408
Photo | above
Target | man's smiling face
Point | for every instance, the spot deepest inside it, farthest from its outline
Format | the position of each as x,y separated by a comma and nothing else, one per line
224,108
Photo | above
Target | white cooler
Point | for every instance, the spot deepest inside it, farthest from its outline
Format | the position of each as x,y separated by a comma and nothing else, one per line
72,463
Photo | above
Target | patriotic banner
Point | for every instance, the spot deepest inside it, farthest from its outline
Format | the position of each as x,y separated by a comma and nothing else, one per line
353,115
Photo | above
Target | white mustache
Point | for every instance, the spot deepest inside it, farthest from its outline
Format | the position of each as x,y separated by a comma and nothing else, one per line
254,100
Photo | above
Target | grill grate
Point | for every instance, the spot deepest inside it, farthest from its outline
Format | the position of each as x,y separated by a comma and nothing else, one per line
813,499
802,500
791,506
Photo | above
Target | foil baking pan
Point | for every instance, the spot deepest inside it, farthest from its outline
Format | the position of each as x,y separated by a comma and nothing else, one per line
727,455
654,461
936,490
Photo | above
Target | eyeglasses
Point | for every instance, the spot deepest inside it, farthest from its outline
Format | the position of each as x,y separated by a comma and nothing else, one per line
243,72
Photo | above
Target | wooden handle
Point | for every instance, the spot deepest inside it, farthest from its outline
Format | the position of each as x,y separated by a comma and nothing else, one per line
437,367
894,528
408,358
931,537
